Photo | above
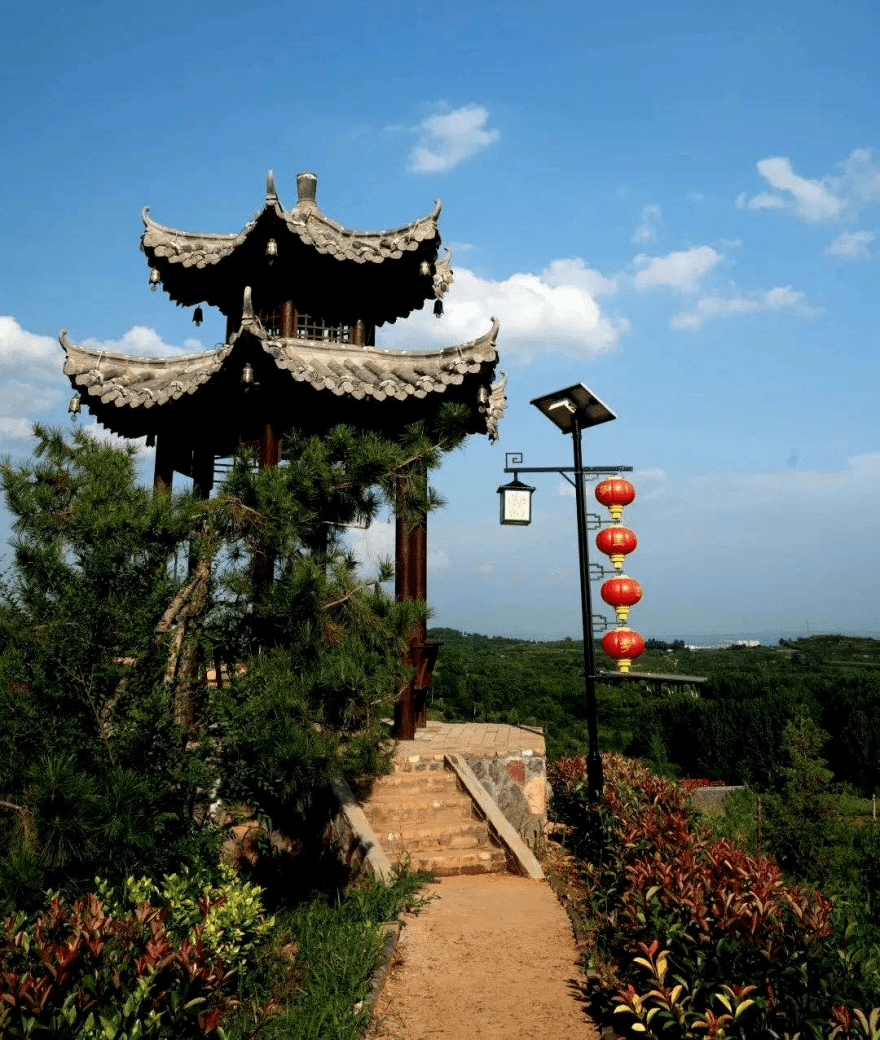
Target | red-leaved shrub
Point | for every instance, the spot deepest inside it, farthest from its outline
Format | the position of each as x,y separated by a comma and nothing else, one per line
73,971
708,940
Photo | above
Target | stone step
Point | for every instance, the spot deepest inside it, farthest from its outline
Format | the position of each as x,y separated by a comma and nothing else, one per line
421,816
419,764
409,780
404,805
389,818
416,837
449,862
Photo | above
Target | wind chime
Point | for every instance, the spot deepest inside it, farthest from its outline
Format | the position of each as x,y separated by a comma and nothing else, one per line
622,644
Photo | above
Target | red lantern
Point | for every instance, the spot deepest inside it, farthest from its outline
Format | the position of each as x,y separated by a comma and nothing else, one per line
621,593
615,493
616,541
623,644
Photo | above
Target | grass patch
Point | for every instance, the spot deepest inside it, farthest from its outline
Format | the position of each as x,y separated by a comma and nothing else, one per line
319,966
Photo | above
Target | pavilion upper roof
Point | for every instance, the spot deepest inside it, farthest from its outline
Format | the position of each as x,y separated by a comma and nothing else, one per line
375,275
127,394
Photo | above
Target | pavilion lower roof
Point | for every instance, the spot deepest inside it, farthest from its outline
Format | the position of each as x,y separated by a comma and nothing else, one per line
379,275
127,394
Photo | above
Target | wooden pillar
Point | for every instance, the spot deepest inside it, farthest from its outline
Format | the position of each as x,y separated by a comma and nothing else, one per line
202,471
163,471
411,583
269,455
288,320
270,446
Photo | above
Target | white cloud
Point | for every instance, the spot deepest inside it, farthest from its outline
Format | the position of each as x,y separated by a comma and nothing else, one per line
678,270
859,180
763,200
650,473
820,199
575,272
438,560
26,353
448,138
31,398
647,229
143,342
554,312
867,462
696,196
852,245
15,429
715,306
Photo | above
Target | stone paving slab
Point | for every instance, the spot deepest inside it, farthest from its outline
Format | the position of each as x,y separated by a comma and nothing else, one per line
470,738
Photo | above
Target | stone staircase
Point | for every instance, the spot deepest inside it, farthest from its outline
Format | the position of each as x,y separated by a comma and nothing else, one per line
422,816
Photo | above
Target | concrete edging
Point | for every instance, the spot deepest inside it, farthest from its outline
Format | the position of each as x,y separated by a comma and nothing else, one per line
380,972
356,838
517,851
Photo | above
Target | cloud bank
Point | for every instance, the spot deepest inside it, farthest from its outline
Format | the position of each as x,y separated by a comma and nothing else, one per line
554,312
818,199
716,306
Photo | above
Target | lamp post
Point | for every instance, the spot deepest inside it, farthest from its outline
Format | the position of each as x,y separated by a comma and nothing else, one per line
572,409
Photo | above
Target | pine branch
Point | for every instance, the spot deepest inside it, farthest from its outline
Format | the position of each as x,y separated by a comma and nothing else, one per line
349,595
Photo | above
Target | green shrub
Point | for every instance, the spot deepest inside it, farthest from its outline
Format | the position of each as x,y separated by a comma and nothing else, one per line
747,954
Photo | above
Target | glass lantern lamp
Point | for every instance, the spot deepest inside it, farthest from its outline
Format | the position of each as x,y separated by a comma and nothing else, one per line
516,502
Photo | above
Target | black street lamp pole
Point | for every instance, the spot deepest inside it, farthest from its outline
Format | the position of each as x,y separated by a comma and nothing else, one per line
595,779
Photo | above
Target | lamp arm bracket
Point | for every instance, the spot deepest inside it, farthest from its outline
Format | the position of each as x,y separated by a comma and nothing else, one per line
597,471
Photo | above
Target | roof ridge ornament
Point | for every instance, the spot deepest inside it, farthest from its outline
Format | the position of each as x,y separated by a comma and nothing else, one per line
307,189
247,308
271,191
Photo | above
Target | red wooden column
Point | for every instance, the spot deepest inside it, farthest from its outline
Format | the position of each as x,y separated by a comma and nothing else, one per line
288,320
163,469
270,446
411,583
422,677
269,455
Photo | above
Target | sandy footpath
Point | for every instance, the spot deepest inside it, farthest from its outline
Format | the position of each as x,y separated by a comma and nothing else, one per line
492,958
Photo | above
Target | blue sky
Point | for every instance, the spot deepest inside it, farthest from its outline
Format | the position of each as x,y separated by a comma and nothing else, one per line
677,204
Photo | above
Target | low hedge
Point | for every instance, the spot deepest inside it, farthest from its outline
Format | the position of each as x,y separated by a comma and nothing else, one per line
704,939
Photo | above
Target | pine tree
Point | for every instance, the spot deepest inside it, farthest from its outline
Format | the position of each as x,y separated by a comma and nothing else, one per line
117,601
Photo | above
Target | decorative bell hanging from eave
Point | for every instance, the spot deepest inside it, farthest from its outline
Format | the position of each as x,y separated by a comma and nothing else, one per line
155,278
271,251
198,316
247,376
74,408
516,502
623,645
621,592
615,493
616,541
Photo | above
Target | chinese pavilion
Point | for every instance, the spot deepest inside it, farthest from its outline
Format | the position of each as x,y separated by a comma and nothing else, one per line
302,297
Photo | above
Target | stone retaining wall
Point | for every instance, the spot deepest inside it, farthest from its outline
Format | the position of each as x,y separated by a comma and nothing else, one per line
518,785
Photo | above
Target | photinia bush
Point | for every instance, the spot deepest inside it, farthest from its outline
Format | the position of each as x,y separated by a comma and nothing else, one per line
123,967
707,940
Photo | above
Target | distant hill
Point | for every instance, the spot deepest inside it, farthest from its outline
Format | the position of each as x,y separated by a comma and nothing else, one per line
526,682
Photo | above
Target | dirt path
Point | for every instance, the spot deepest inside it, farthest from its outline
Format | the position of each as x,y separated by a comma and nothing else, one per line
493,958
